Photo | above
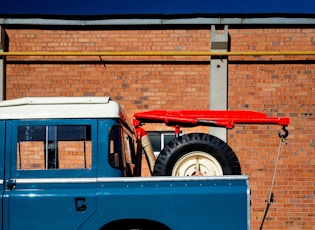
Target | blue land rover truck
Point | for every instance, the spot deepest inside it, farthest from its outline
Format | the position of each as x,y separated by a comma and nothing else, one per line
72,163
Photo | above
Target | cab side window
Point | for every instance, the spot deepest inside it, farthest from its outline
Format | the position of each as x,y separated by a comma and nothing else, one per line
115,147
121,150
44,147
130,153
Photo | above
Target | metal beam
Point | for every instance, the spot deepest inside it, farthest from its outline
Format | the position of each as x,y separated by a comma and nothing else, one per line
136,20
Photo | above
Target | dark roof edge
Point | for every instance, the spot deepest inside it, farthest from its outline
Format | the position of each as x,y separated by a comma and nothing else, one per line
269,19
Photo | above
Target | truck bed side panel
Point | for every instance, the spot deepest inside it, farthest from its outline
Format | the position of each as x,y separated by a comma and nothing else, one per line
179,203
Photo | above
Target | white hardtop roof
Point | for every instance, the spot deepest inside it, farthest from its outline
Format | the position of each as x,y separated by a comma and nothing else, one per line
60,107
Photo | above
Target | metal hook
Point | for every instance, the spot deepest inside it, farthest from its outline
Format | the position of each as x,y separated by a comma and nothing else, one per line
285,135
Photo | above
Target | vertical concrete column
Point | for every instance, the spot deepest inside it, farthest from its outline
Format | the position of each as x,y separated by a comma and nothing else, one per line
2,64
219,76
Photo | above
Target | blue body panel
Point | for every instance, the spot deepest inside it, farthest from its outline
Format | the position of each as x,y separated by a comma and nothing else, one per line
179,203
50,207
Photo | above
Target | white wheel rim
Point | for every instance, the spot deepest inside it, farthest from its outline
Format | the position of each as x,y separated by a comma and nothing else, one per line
197,164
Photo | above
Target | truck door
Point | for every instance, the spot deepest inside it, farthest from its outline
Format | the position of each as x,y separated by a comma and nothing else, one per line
2,150
51,182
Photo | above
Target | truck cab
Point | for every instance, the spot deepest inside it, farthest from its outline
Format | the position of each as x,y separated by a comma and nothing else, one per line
51,152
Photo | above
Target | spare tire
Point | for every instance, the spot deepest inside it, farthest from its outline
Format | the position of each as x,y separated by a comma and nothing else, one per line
197,154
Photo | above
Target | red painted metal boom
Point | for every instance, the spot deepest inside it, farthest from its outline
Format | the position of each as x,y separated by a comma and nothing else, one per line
191,118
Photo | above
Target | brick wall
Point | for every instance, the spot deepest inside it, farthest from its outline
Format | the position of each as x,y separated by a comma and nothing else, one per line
71,155
134,83
30,155
279,86
74,154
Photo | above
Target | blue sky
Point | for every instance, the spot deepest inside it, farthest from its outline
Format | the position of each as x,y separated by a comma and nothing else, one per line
104,7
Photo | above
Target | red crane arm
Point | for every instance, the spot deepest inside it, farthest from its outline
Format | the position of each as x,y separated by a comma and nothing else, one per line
220,118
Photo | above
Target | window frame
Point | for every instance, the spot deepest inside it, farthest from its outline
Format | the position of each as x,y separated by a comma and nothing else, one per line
58,172
126,156
162,135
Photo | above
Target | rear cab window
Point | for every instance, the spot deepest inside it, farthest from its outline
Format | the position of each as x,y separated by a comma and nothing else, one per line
53,145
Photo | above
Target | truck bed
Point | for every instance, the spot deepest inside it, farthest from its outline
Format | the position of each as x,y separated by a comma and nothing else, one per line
177,202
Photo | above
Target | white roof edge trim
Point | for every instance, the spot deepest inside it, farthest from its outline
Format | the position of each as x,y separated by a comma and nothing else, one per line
61,107
54,101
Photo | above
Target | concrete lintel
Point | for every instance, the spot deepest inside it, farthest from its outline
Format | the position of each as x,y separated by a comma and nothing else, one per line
266,20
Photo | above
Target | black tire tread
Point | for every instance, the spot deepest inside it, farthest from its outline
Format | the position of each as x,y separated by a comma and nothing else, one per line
196,141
